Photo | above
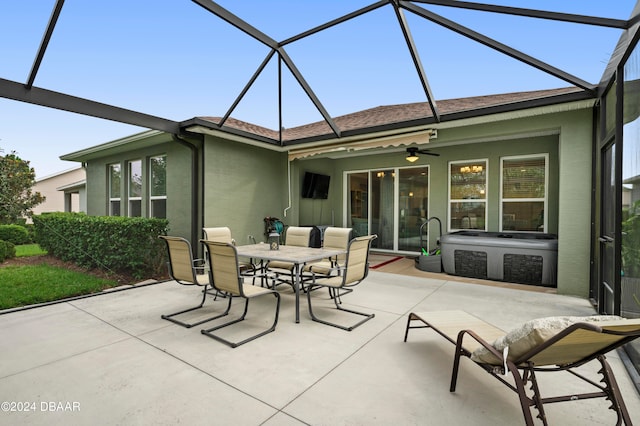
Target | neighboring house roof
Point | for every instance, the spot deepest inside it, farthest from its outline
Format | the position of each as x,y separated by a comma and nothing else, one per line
70,172
73,187
402,115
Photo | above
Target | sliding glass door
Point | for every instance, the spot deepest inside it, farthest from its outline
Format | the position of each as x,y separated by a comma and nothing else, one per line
413,206
391,203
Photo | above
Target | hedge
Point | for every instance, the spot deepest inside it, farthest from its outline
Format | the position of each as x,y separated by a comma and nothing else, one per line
15,234
7,250
110,243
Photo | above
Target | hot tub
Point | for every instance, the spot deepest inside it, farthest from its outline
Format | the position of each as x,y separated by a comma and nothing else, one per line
518,257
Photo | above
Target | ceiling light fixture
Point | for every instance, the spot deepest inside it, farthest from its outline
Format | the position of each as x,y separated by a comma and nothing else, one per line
412,157
412,153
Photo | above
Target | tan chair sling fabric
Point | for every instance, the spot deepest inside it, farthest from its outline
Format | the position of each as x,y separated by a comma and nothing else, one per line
334,238
183,269
222,234
299,236
355,270
226,278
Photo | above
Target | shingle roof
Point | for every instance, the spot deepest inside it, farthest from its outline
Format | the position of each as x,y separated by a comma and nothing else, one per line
390,114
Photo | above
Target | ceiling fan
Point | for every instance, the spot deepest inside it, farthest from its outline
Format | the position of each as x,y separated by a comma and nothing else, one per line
412,152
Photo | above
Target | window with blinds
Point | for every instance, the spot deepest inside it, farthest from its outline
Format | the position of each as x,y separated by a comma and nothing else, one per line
467,194
114,189
135,188
158,183
524,193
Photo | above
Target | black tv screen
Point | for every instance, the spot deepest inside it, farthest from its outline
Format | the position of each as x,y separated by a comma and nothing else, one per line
315,185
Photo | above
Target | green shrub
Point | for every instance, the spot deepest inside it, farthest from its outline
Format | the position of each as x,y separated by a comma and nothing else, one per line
15,234
111,243
7,250
31,232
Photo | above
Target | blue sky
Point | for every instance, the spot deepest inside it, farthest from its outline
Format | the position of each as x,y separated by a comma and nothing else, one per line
176,60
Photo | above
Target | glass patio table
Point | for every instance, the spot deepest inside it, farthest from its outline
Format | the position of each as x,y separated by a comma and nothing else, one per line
299,256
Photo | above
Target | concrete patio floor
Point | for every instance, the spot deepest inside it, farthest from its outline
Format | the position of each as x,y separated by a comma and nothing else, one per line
111,359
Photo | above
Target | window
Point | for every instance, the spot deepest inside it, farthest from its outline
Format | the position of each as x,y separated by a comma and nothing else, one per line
524,193
114,189
135,188
158,184
467,194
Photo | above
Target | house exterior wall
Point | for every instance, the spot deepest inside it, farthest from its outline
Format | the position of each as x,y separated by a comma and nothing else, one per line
55,200
565,136
179,193
243,185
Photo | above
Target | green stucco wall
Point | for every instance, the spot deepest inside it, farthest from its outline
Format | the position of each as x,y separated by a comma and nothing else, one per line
564,136
243,185
178,181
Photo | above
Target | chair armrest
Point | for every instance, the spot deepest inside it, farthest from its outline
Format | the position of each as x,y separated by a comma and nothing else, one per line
478,339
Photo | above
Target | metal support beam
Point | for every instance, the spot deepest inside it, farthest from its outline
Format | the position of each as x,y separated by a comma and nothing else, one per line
44,43
243,26
496,45
417,62
18,92
247,87
280,139
305,86
335,22
532,13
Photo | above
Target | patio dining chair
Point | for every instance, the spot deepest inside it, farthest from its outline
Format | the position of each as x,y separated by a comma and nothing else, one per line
222,234
186,270
355,270
334,238
299,236
225,277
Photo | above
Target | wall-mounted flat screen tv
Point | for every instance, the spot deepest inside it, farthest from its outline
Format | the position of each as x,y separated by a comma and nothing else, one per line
315,185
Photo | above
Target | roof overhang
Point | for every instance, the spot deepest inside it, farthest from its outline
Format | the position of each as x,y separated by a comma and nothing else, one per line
73,187
139,140
398,135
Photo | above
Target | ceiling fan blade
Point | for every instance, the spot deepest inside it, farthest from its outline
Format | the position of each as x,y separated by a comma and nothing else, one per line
412,151
427,152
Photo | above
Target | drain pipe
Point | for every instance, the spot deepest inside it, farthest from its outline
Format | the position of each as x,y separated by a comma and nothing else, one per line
196,191
289,185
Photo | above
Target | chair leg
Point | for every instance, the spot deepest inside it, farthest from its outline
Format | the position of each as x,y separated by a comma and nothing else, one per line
525,402
335,300
537,399
170,317
613,392
209,331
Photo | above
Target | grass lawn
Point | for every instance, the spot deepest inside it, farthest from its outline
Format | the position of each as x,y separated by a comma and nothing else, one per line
29,250
31,284
22,285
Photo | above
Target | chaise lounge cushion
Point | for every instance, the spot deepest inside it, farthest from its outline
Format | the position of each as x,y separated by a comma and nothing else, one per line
531,334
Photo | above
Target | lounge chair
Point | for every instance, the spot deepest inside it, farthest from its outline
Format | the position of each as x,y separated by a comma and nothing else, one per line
543,345
355,270
184,269
225,277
